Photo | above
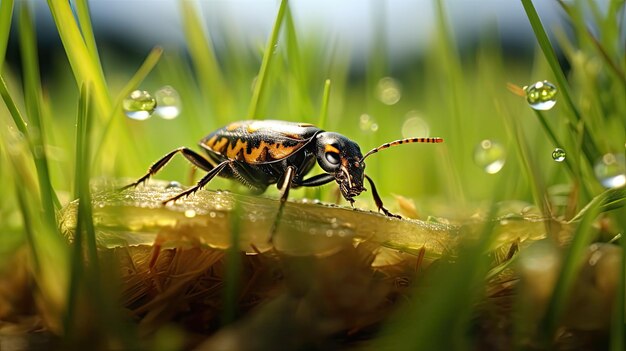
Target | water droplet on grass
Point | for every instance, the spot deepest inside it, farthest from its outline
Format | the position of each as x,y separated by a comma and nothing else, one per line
173,185
139,105
168,104
388,91
490,156
558,155
541,95
611,170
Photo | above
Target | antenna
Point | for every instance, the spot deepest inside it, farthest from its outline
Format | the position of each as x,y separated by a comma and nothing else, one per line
403,141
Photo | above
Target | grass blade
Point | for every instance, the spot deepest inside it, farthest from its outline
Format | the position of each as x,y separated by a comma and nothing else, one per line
6,12
449,65
572,163
618,327
298,77
607,201
19,121
77,259
46,246
268,56
574,256
321,123
85,68
83,175
443,317
84,20
146,67
205,62
232,278
550,55
589,147
32,92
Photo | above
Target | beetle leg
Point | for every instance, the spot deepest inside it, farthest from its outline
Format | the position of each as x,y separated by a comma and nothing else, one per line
207,178
317,180
192,156
284,193
378,201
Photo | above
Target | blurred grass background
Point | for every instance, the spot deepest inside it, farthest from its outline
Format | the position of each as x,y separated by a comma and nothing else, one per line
74,129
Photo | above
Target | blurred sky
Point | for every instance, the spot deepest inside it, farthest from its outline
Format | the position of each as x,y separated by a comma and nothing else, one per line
408,24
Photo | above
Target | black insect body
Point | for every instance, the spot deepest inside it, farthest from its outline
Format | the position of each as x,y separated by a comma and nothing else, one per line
258,153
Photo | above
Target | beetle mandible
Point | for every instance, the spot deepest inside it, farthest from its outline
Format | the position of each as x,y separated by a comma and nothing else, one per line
258,153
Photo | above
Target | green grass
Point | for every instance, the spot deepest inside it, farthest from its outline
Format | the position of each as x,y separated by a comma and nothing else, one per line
293,74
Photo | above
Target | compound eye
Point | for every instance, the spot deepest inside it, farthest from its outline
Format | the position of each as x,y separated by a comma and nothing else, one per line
332,158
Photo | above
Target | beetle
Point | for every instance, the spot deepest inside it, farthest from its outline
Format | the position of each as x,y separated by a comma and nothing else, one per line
259,153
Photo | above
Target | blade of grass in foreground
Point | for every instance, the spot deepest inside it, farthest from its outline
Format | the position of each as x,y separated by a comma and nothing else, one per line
86,290
77,259
574,256
19,121
32,92
618,327
268,55
47,247
85,68
84,20
232,279
442,318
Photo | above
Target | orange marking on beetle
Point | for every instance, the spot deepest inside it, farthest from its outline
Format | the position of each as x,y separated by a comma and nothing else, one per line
279,151
257,154
234,148
211,141
220,145
266,152
293,136
330,148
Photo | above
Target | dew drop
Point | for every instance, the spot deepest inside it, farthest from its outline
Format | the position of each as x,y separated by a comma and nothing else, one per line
388,91
173,185
558,155
168,104
490,156
139,105
611,170
541,95
414,125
